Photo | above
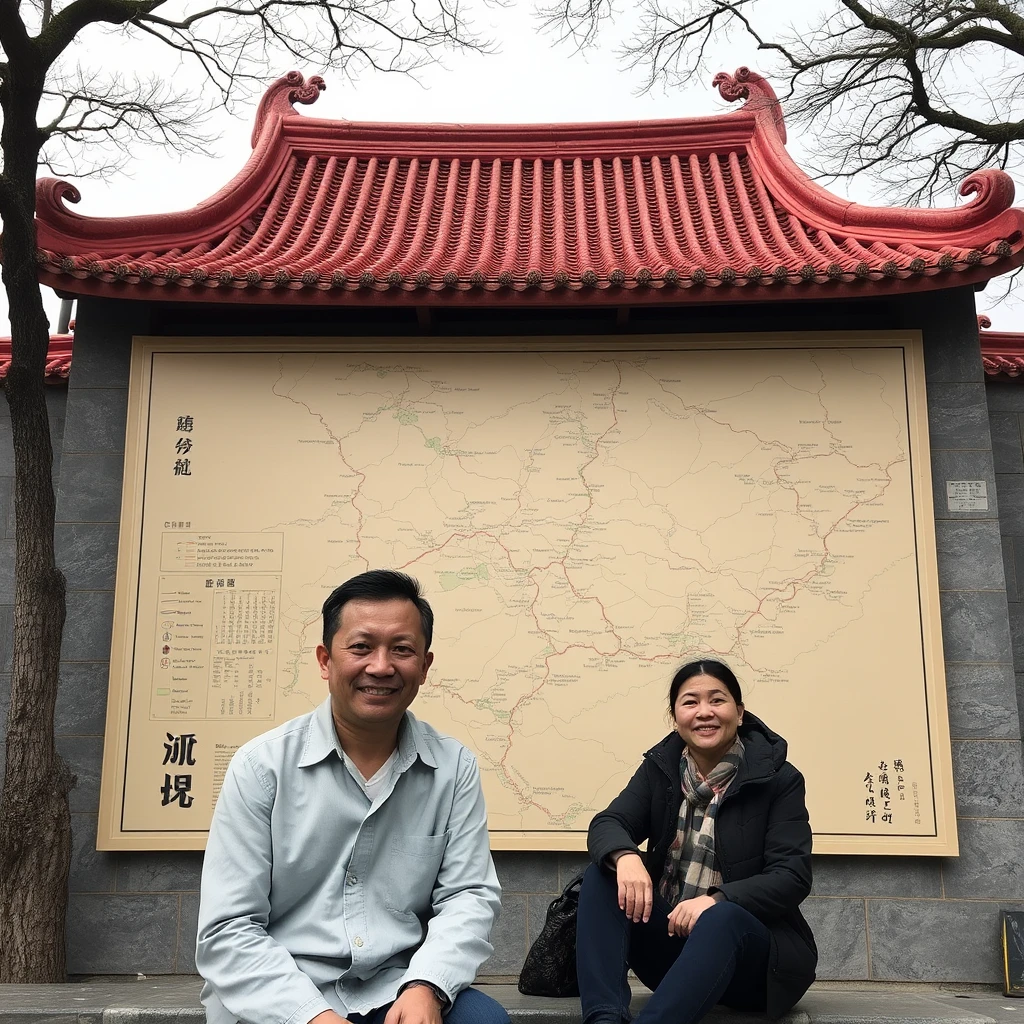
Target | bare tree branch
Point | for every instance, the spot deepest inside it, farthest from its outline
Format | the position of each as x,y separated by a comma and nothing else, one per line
62,29
115,116
14,38
916,94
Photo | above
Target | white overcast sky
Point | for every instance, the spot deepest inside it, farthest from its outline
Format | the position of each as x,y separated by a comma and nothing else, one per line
531,79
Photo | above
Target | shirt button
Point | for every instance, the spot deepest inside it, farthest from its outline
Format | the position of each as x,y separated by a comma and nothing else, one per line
352,879
357,941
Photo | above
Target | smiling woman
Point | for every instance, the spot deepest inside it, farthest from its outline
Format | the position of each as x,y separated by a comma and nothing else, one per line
710,913
707,706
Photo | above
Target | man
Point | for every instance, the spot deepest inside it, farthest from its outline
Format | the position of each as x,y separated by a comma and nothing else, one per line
348,875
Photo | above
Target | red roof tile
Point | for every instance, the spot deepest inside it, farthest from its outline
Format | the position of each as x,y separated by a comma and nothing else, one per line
701,209
58,358
1002,352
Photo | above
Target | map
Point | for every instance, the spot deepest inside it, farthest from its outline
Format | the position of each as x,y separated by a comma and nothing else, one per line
584,518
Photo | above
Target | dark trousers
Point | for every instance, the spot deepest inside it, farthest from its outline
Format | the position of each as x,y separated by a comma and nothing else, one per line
724,959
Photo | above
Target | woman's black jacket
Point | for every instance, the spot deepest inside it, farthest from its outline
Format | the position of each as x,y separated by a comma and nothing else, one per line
762,844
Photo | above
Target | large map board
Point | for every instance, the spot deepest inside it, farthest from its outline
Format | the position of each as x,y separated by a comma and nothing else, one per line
585,515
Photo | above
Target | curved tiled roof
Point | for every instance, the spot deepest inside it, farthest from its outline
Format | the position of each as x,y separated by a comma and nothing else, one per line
58,358
701,209
1002,352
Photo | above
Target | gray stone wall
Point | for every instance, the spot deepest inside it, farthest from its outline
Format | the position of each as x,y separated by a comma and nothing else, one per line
914,919
128,912
936,919
1006,421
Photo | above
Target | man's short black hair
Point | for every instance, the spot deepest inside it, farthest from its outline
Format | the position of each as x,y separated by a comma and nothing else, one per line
376,585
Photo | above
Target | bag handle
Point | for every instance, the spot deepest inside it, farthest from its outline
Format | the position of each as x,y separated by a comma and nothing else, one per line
571,892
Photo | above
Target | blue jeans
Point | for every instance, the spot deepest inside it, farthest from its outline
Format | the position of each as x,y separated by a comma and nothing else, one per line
471,1006
724,959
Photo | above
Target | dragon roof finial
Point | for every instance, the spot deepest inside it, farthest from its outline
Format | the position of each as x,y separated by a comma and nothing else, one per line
748,85
279,98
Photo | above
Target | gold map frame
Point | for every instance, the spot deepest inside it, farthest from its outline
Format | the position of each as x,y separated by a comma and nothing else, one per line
170,575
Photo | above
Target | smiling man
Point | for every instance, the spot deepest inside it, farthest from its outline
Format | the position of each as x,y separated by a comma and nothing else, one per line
348,874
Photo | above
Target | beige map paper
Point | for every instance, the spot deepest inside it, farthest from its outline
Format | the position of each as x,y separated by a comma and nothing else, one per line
584,516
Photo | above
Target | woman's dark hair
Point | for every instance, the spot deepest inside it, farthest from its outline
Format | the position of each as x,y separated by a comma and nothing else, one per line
377,585
715,669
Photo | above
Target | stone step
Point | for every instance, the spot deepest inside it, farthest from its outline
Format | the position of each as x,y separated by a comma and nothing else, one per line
175,1000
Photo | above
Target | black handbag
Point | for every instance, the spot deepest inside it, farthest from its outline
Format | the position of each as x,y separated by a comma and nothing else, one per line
550,967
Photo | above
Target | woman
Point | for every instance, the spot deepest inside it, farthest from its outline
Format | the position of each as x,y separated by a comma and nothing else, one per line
709,914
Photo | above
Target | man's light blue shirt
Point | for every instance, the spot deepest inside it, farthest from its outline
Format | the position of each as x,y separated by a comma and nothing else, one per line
314,898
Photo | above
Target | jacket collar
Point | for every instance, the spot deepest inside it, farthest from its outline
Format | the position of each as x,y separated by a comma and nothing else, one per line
322,740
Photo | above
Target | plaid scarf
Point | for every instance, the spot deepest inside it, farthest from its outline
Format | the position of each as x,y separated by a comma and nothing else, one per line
690,865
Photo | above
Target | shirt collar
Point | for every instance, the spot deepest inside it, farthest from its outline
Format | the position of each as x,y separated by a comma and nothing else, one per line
414,742
322,740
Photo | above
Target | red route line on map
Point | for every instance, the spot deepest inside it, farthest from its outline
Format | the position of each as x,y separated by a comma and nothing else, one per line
341,454
503,762
795,584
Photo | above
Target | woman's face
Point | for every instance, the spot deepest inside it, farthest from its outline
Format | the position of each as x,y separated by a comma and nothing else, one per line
707,718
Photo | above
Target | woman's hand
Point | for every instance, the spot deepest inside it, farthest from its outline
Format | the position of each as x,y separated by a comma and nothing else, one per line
684,915
636,891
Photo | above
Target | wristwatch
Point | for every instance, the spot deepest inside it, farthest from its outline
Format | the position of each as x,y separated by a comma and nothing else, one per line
439,995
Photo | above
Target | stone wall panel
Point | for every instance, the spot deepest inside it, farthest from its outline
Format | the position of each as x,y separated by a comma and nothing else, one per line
1007,454
981,702
840,933
122,934
970,555
974,626
990,866
958,416
935,940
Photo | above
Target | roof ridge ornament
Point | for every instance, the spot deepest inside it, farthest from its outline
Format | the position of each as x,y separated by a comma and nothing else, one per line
984,321
993,187
282,95
990,209
52,193
748,85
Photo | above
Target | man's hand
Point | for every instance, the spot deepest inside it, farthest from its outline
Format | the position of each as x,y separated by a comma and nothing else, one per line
416,1005
684,915
636,891
328,1017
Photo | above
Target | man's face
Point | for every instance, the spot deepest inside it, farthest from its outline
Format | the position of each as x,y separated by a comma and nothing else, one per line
376,663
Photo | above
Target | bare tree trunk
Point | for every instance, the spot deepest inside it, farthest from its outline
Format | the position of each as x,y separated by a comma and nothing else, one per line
35,822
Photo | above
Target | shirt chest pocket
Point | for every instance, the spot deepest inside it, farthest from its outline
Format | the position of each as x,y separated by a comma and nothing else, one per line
412,866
